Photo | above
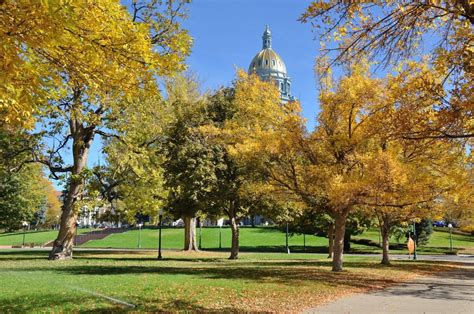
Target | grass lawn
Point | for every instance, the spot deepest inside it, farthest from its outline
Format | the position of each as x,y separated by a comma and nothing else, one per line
205,281
263,239
272,240
438,243
251,239
32,236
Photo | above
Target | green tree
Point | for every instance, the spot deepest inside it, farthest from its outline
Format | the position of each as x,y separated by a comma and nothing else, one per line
424,229
228,195
189,165
22,196
238,117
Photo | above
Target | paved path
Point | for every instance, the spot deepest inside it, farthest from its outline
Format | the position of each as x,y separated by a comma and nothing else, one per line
449,292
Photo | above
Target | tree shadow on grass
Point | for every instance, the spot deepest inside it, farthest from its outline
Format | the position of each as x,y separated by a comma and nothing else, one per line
54,303
282,249
440,288
187,306
81,304
22,255
272,273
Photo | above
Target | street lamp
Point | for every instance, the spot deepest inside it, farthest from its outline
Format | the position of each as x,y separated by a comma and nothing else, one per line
220,222
414,240
304,242
160,214
24,224
75,237
450,226
139,236
200,233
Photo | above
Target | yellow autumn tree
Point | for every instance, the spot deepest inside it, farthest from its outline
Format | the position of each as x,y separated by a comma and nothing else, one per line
355,158
45,43
76,65
402,185
390,32
53,204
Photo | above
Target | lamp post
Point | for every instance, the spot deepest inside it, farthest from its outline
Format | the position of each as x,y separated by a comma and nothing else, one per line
304,242
414,240
200,233
450,226
24,224
75,237
219,223
160,214
139,235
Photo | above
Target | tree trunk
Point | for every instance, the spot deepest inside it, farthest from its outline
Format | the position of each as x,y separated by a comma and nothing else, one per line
340,228
347,241
190,243
234,225
82,140
62,246
385,245
330,240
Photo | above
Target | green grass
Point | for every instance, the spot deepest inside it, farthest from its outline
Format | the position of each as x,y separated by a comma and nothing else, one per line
271,240
263,239
204,281
438,243
32,236
253,239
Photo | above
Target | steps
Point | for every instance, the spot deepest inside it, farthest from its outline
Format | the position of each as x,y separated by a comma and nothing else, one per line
92,235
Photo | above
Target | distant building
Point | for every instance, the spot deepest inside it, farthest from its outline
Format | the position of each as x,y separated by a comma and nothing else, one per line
269,66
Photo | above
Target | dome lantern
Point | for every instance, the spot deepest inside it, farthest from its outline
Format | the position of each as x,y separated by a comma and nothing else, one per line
267,38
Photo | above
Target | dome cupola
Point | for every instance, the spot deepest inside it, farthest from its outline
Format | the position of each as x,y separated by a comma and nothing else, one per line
267,38
269,66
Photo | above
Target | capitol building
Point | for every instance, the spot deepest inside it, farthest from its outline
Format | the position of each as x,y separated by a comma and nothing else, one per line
269,66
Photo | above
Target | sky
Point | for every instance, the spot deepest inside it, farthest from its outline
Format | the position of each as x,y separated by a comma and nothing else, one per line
227,35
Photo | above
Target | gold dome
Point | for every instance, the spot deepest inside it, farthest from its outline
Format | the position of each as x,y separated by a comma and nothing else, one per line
267,61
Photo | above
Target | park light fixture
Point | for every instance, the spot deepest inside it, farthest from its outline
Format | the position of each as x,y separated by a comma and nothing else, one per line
200,233
139,235
414,240
160,215
450,226
220,222
25,225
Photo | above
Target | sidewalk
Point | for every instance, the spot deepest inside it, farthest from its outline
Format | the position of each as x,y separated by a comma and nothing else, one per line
449,292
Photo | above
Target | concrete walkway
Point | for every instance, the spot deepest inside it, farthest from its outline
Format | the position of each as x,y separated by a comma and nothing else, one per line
448,292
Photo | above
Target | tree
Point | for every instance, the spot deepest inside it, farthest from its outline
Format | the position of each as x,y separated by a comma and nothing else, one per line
400,188
53,205
87,61
238,116
423,229
189,165
344,135
456,206
390,32
22,195
46,41
343,163
132,180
